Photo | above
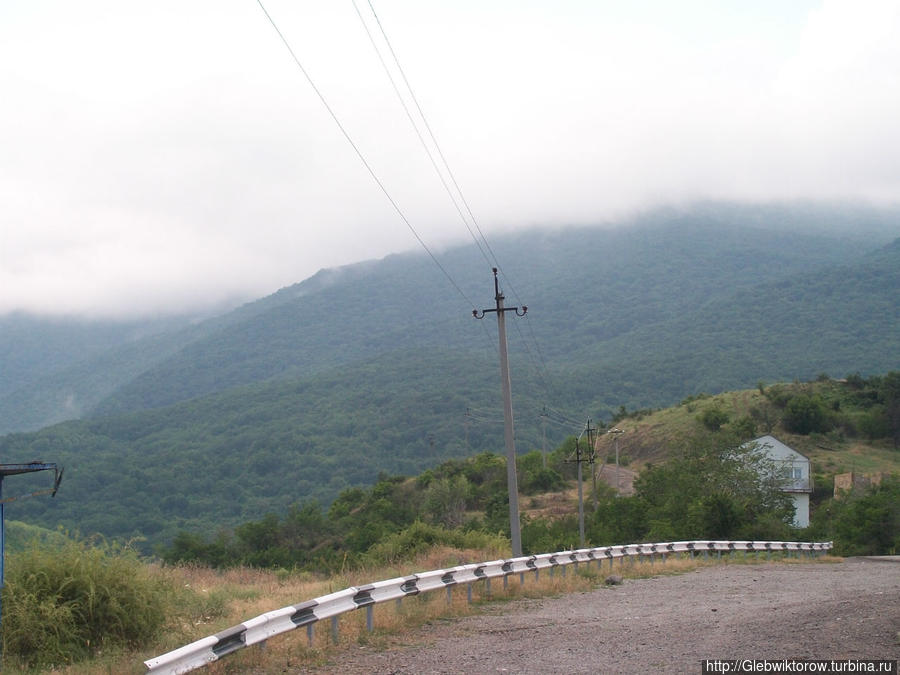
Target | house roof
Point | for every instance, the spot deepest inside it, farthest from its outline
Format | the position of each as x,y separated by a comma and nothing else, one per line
778,448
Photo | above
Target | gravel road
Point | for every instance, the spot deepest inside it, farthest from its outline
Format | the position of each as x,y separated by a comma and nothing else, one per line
849,609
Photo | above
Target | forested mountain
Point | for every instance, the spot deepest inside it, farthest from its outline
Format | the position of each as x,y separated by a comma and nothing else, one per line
372,367
33,348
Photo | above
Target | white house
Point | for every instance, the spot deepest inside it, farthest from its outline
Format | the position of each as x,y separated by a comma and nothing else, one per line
794,469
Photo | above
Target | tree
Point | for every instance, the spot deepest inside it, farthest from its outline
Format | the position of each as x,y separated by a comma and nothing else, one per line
869,524
805,414
765,414
713,418
712,488
445,500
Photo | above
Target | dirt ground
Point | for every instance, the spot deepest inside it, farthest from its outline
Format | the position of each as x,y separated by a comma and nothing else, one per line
668,624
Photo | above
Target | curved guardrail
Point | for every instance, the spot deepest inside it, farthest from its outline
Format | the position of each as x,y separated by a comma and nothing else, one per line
260,628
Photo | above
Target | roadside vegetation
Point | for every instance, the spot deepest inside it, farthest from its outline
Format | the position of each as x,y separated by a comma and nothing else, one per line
200,601
697,479
71,600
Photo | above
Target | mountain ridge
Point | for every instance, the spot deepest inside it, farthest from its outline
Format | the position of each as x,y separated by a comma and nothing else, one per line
381,367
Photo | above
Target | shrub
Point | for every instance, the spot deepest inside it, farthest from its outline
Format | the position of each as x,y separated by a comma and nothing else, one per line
869,524
62,605
420,537
713,418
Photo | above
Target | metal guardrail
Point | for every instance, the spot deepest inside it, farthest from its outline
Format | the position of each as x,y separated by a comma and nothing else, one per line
258,629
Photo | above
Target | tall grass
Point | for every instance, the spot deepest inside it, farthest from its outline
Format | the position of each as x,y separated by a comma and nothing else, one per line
64,604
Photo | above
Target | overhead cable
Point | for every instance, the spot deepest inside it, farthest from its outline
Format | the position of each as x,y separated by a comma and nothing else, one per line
538,361
359,154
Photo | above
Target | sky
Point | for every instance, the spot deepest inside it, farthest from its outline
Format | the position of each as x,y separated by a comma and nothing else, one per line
169,156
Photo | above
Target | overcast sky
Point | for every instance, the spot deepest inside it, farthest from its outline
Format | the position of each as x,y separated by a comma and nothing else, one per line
162,156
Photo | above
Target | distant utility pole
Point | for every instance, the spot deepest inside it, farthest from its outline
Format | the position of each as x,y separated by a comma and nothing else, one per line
544,435
579,459
616,432
592,454
511,480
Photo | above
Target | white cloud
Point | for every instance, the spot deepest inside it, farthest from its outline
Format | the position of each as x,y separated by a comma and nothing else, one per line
166,156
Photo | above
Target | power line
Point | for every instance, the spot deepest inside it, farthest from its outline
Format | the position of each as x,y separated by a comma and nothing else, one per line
359,154
412,121
538,361
556,415
437,145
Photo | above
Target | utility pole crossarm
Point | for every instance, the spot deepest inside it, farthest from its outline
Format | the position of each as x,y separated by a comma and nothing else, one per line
499,297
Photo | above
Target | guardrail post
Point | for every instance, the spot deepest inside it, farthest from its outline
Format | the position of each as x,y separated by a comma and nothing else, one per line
487,587
505,582
310,633
370,620
334,629
469,594
449,595
521,578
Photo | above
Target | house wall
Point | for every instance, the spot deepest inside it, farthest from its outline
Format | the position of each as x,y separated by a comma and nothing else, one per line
801,509
789,463
795,468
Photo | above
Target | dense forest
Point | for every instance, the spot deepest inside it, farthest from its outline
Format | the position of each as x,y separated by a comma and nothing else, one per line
680,279
380,367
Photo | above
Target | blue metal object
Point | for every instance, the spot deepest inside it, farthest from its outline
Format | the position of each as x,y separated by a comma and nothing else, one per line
12,470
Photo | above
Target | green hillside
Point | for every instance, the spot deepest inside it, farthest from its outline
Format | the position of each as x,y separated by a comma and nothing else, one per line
598,284
601,284
689,484
839,319
371,368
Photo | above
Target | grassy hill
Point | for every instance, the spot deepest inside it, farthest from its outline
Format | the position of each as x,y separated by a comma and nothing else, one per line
651,435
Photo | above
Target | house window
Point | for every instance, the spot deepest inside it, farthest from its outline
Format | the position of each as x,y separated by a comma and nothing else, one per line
796,473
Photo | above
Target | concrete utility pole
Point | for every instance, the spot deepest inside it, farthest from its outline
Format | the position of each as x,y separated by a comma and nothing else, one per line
544,435
580,496
579,459
511,479
616,432
592,455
